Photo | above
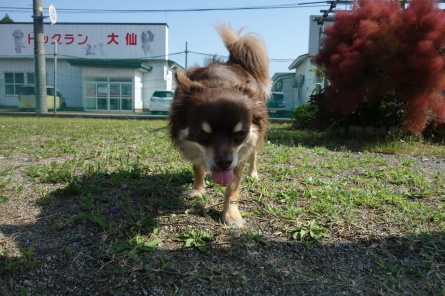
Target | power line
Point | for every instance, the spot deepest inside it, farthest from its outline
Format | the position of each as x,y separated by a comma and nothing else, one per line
63,56
225,57
259,7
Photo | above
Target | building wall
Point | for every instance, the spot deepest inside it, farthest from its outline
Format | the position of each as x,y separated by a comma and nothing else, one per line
69,81
289,92
88,41
314,33
138,90
305,90
144,83
13,66
314,36
296,93
305,68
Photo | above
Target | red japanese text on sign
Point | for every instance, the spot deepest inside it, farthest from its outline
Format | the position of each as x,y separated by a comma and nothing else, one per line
113,38
131,39
79,39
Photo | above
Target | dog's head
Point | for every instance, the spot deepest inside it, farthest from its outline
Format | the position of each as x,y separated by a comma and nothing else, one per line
18,34
147,36
217,122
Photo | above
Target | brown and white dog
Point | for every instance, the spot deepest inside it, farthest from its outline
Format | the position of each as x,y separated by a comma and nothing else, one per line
218,117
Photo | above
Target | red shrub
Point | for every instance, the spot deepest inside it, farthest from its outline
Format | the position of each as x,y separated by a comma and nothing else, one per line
379,51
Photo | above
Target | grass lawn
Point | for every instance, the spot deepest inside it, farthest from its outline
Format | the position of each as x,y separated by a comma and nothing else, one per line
94,207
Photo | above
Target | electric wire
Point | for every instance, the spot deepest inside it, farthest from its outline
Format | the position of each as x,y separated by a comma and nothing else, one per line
259,7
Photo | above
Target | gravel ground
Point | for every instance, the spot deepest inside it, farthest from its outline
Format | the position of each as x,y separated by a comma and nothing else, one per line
73,258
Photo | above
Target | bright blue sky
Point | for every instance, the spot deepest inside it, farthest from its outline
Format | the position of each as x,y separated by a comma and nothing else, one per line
285,31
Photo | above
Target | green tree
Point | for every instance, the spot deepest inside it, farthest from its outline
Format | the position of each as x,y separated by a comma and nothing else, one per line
6,19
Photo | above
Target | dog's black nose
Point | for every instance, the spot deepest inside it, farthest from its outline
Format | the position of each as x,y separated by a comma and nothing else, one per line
223,161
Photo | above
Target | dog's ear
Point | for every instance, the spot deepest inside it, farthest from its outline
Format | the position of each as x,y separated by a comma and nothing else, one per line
187,86
187,91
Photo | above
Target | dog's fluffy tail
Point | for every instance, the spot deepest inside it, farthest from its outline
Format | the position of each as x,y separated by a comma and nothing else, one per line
248,50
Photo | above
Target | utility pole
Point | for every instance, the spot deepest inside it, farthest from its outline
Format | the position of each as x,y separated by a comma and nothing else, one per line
320,22
326,13
39,58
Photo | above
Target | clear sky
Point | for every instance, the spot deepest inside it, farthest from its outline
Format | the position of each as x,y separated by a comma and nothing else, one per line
285,31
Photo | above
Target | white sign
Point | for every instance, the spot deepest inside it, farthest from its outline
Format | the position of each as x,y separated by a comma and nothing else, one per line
120,41
52,14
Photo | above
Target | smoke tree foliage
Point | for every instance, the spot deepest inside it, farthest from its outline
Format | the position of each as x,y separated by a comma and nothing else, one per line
381,53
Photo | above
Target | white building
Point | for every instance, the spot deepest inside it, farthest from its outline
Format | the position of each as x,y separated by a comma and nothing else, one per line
316,32
298,86
100,67
305,81
285,83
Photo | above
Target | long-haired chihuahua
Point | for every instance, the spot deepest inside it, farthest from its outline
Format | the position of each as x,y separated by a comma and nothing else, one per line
218,117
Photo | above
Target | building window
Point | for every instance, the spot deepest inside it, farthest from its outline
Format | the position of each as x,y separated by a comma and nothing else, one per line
14,81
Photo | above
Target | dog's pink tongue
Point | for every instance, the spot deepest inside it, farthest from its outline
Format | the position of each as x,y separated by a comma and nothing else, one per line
223,177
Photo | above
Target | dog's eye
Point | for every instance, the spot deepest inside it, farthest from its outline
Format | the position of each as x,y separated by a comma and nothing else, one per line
200,132
241,134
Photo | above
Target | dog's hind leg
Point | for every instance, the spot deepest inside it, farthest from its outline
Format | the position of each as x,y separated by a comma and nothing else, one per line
231,214
198,187
253,173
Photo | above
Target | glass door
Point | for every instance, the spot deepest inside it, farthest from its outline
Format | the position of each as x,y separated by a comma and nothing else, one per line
111,94
102,96
115,96
127,96
90,95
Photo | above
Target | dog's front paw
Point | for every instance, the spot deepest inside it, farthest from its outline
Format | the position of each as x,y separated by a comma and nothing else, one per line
193,192
231,216
253,175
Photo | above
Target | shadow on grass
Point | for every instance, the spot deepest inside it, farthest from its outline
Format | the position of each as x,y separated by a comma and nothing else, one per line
285,134
99,235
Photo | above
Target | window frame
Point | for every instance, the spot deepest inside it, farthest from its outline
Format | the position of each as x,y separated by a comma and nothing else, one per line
16,84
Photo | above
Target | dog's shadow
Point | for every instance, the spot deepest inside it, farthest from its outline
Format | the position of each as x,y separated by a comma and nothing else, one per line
128,191
110,202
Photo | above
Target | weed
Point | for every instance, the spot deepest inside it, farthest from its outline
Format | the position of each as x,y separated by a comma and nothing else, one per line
257,238
135,246
4,182
13,264
203,277
27,255
166,264
195,238
23,291
69,251
52,173
309,232
137,238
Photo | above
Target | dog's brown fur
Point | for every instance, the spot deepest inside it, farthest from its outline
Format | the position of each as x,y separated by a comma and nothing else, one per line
218,117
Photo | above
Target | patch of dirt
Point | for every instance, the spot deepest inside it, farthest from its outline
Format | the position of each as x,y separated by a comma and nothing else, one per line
73,255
